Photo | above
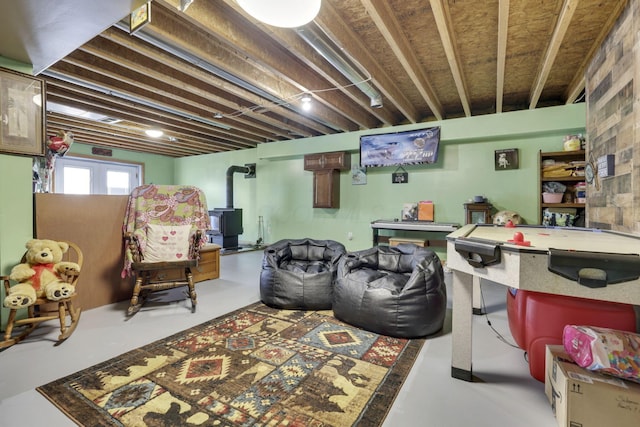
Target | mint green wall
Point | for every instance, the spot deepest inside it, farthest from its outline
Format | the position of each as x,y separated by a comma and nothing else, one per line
15,65
157,169
16,218
209,173
15,192
282,191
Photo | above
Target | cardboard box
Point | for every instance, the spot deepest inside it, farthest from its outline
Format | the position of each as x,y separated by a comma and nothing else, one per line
425,211
582,398
395,241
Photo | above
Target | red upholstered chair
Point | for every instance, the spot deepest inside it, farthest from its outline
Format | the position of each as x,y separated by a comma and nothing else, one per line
537,319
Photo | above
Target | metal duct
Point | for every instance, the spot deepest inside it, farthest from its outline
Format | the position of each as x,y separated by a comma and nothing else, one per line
320,41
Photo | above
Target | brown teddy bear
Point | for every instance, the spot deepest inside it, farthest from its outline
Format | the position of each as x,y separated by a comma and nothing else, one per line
43,275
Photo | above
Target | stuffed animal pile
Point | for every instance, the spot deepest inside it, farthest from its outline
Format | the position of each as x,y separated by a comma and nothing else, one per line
43,275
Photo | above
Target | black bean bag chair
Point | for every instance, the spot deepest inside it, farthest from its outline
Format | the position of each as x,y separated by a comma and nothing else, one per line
396,291
300,274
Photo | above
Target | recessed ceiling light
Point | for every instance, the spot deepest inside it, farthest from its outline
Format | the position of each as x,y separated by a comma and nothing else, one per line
154,133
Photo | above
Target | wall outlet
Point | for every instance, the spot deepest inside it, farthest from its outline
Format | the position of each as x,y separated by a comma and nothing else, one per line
350,236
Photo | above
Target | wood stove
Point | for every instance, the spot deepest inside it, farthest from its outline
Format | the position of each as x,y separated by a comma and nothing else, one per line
226,225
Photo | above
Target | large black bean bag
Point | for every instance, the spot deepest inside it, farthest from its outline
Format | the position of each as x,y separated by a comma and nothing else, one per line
300,274
396,291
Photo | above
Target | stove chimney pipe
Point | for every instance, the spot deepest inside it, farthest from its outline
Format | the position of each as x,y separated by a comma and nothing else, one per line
230,172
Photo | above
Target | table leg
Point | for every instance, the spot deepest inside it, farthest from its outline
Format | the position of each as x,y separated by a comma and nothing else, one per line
461,326
477,296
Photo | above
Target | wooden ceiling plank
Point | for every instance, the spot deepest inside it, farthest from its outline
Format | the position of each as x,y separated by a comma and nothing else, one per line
227,103
257,128
81,104
503,29
253,57
577,84
383,16
306,55
129,132
143,88
146,114
561,27
443,22
99,136
334,24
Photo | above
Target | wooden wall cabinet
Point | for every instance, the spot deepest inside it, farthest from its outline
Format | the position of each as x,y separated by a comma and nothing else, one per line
326,169
326,188
322,161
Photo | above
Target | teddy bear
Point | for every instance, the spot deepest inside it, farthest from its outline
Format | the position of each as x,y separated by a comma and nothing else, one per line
43,274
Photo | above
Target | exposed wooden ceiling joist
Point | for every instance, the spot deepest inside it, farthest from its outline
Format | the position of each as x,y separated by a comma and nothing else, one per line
214,79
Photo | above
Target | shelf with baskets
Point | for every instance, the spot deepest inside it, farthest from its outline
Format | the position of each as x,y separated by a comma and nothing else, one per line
561,186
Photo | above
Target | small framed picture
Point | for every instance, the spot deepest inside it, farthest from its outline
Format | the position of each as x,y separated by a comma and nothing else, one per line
140,17
21,113
506,159
358,175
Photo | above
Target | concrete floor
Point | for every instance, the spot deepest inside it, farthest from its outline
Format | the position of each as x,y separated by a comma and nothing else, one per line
506,395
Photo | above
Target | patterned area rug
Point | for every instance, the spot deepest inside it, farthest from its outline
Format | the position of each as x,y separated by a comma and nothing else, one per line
256,366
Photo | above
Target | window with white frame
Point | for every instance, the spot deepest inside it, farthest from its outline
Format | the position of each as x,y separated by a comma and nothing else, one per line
77,175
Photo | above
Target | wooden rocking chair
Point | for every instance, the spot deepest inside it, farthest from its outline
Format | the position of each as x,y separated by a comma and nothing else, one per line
44,309
164,229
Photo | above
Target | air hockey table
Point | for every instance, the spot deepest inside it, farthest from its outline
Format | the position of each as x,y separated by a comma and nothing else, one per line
581,262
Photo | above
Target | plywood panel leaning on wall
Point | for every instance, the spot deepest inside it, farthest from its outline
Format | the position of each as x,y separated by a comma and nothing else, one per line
94,223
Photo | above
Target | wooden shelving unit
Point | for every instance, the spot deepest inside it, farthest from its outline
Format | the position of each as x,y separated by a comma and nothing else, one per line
569,181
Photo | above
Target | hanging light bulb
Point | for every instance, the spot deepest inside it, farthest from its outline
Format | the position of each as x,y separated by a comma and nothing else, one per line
282,13
306,102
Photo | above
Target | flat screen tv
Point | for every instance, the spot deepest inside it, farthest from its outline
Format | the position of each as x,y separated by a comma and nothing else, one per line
400,148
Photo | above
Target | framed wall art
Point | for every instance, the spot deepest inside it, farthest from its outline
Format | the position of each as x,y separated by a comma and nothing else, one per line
140,17
506,159
21,113
358,175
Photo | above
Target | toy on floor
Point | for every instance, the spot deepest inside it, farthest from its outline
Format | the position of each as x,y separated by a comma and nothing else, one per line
42,275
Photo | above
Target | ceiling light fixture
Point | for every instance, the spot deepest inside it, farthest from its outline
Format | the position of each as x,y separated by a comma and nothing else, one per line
306,101
282,13
154,133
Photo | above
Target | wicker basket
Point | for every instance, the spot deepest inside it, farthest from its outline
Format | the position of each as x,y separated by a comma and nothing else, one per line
552,197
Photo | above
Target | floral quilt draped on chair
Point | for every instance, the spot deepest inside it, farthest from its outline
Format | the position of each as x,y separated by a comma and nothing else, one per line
165,205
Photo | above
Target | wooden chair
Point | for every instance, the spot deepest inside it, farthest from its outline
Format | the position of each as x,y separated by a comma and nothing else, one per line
157,217
44,309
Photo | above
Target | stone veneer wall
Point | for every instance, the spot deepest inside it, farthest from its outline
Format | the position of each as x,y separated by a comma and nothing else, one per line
613,115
